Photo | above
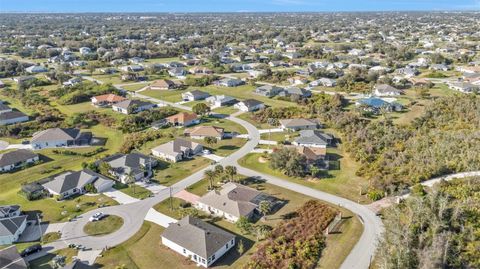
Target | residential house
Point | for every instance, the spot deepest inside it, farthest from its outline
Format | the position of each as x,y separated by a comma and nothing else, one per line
314,155
249,105
60,137
164,84
325,82
177,150
200,70
289,91
299,124
201,132
231,202
375,105
77,264
85,50
125,167
74,183
11,229
132,68
220,101
11,259
12,117
17,159
72,81
132,106
229,82
314,139
194,95
461,87
34,69
9,211
177,72
183,119
439,67
200,241
386,90
107,100
268,90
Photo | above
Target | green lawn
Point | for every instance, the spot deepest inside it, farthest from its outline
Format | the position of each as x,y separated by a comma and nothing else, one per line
110,78
133,190
341,182
227,125
51,237
43,262
223,147
171,207
134,87
279,136
107,225
169,96
248,118
167,173
227,110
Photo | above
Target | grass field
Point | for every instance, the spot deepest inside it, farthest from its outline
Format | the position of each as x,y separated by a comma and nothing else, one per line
169,96
107,225
167,173
109,78
133,190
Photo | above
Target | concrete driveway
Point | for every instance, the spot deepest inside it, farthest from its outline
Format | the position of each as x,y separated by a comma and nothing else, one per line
120,197
153,187
159,218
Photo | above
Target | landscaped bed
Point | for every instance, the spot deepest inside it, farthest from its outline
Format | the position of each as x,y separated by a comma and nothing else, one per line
107,225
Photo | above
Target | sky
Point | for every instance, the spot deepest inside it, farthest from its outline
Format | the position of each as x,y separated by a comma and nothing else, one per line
232,5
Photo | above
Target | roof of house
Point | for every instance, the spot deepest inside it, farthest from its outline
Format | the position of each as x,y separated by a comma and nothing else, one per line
298,122
11,115
198,93
16,156
221,98
182,117
385,88
313,137
373,102
77,265
130,103
9,226
11,259
197,236
205,131
163,83
124,163
55,134
6,210
234,199
312,153
4,107
175,147
251,102
110,97
70,180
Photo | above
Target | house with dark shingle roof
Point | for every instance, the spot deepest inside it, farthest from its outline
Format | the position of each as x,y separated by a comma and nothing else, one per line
202,242
16,159
249,105
137,165
60,137
313,138
73,183
11,259
11,229
299,124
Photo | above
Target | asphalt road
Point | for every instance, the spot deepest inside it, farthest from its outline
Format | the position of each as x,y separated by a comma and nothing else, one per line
133,214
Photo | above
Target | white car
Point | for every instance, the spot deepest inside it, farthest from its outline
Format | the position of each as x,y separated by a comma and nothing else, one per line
97,216
206,152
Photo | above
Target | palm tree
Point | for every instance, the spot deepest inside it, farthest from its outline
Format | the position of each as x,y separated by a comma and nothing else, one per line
231,171
264,207
131,180
210,176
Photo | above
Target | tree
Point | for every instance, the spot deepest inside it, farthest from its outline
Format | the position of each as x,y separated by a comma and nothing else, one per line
262,231
210,176
244,225
210,140
314,170
104,168
130,179
201,109
231,172
264,207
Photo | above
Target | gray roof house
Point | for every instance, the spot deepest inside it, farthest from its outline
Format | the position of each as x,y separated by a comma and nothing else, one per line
268,90
220,100
231,202
11,229
202,242
194,95
16,159
299,124
177,150
60,137
72,183
9,116
11,259
132,106
386,90
313,138
288,91
135,164
8,211
249,105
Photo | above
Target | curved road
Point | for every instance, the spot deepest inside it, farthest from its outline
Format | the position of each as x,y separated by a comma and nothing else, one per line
134,213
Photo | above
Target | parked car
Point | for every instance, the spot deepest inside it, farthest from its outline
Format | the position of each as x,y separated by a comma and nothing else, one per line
206,151
30,250
97,216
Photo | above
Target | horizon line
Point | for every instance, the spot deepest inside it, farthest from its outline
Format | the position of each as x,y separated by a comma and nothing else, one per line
240,11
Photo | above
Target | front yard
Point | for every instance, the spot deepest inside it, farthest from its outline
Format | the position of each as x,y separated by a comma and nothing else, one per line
167,173
133,190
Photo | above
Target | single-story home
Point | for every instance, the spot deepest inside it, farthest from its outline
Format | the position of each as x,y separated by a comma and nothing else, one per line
132,106
200,132
202,242
231,202
374,105
299,124
249,105
36,69
12,228
16,159
386,90
313,138
73,183
229,82
12,117
183,119
164,84
195,95
177,150
268,90
135,165
9,211
107,100
60,137
220,101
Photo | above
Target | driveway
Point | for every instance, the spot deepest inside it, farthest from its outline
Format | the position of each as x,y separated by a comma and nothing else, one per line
153,187
212,157
266,131
120,197
267,142
19,146
159,218
187,196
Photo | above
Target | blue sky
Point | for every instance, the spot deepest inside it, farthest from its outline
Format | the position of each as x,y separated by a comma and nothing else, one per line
231,5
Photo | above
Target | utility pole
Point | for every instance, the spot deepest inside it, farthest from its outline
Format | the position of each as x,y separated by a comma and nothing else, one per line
171,201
